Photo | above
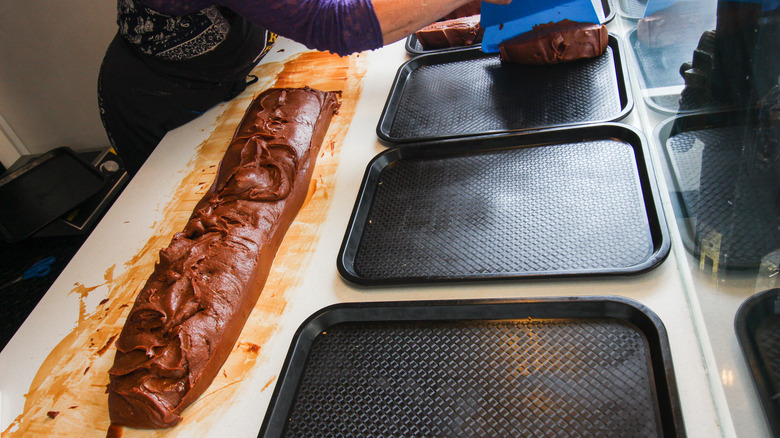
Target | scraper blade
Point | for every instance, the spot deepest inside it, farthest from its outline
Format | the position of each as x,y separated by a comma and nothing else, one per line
504,22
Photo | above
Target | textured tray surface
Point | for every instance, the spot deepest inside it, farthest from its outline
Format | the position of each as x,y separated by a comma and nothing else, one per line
768,340
545,209
466,93
660,67
632,9
707,168
531,377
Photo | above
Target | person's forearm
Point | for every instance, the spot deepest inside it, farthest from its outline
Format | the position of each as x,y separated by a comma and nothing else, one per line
399,18
340,26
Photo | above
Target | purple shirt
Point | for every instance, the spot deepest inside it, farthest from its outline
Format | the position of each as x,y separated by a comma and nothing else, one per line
339,26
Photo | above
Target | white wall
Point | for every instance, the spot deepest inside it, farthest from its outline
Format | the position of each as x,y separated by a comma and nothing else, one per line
50,54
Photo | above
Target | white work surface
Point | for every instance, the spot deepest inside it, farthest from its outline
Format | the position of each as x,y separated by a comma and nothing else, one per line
126,228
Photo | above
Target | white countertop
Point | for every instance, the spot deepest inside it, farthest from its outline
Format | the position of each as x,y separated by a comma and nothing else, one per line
126,228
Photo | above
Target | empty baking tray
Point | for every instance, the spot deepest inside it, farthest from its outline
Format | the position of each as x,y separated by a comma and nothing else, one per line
758,329
44,189
728,211
468,92
590,366
414,48
565,201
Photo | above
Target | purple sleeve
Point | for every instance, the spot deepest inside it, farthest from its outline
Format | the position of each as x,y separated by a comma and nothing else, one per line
338,26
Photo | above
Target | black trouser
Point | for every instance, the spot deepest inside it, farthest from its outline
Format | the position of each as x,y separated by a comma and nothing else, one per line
141,98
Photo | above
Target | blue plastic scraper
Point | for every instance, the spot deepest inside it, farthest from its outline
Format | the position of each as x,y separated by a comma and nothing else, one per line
654,6
504,22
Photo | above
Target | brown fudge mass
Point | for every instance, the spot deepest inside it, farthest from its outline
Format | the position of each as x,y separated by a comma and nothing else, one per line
451,33
190,312
556,42
471,8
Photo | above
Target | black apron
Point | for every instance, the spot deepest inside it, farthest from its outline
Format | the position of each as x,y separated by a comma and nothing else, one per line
142,97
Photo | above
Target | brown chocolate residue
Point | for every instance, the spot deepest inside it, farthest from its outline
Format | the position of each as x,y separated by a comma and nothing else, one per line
456,32
268,383
52,414
107,345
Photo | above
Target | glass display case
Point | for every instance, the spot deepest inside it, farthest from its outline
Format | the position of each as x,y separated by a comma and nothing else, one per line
706,75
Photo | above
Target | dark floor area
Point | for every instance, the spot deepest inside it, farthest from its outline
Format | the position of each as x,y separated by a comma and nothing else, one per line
19,299
61,240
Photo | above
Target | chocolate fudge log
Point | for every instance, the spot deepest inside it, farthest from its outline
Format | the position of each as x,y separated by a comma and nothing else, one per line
451,33
556,42
189,314
467,10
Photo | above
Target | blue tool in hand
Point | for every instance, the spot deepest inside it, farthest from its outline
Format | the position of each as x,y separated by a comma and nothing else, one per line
40,269
504,22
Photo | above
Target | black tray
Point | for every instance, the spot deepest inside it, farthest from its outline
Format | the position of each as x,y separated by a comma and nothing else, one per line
566,201
414,48
758,329
705,156
44,189
588,366
468,92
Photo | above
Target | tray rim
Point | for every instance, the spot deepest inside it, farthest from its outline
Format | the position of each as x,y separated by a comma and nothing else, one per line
750,352
394,95
647,178
411,40
625,15
651,327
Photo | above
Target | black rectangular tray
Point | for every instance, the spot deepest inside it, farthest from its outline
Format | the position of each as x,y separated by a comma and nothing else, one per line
414,48
704,152
757,324
565,201
581,366
468,92
44,189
